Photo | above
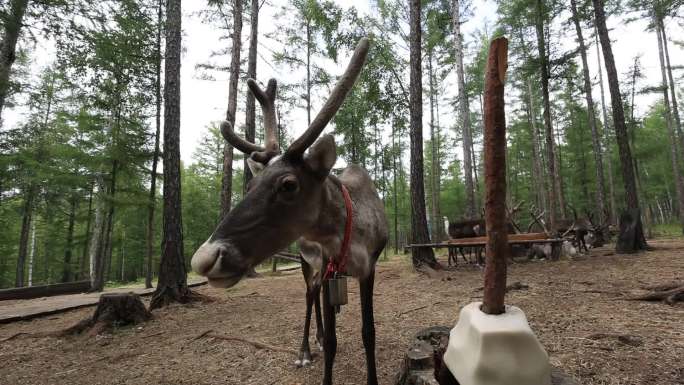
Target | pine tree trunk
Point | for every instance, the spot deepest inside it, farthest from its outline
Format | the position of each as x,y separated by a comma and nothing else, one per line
97,240
673,88
434,192
155,156
227,179
32,253
674,154
68,251
8,45
612,212
86,236
637,241
419,228
464,113
553,193
172,285
537,168
26,218
595,137
395,189
250,108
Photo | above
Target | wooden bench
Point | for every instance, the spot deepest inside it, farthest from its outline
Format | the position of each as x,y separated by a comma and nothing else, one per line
513,239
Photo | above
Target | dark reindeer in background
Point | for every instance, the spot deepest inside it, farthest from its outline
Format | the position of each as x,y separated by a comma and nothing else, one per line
293,196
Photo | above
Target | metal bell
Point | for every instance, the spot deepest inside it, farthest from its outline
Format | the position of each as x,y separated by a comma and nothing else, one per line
337,290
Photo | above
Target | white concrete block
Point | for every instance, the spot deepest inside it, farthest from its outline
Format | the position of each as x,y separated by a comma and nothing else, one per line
496,349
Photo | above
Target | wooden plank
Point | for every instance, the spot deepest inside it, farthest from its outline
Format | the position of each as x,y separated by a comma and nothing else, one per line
33,308
44,290
468,243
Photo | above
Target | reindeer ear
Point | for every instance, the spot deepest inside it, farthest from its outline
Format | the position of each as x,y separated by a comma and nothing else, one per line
254,166
322,156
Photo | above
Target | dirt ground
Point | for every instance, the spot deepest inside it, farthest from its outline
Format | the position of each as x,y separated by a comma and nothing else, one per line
576,307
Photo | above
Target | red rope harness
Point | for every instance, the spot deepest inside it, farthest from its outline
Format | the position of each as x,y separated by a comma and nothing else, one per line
341,265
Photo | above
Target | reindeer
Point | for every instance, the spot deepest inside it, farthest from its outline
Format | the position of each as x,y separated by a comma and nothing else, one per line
294,196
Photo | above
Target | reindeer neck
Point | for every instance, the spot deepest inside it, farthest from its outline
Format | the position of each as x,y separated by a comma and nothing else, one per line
329,228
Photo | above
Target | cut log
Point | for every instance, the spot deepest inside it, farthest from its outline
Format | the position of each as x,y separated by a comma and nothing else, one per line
113,310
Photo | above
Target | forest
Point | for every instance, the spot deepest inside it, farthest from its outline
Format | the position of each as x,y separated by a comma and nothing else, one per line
91,113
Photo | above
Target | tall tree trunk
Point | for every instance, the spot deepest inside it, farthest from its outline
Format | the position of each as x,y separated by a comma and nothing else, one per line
155,158
612,212
537,168
172,285
464,113
673,88
227,180
86,236
419,228
68,251
553,192
636,241
97,241
674,154
26,218
434,159
395,190
8,45
250,108
32,253
595,137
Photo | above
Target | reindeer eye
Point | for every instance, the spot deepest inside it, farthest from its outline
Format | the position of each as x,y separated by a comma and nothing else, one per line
288,185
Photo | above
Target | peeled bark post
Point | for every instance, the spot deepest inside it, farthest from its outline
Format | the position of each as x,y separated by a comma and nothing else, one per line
495,178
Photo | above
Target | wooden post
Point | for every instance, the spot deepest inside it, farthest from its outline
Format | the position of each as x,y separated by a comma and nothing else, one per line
495,178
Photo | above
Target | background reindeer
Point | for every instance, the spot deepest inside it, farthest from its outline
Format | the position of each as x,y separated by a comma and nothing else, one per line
294,196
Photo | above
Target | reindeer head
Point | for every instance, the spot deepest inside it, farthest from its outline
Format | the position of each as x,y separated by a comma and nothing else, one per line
283,200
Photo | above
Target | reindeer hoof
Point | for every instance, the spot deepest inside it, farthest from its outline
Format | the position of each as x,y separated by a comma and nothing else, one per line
304,360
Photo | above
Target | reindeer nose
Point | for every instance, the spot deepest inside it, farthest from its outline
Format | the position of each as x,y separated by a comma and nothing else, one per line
205,258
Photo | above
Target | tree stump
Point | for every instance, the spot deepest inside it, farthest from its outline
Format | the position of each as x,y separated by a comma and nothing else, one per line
631,238
423,363
113,310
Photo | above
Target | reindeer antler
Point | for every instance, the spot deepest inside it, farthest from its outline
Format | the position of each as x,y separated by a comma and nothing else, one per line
267,101
337,96
241,144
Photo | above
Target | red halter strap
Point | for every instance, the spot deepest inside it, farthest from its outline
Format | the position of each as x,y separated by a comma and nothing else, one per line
341,264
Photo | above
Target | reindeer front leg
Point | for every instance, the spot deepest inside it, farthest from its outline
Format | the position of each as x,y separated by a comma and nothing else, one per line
330,337
305,351
368,327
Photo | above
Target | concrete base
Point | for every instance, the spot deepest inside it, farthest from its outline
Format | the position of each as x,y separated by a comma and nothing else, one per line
496,349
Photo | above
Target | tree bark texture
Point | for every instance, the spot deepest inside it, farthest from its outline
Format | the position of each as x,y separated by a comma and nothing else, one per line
495,179
419,228
537,168
595,136
553,190
8,45
435,167
464,113
674,153
673,87
26,217
155,157
86,236
227,179
172,285
619,125
68,250
250,108
612,210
